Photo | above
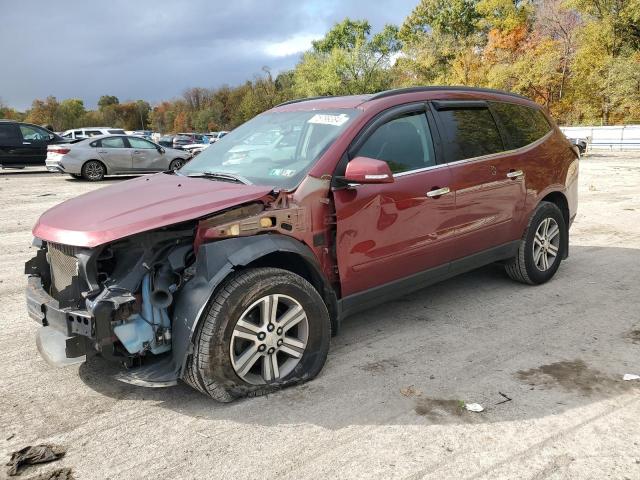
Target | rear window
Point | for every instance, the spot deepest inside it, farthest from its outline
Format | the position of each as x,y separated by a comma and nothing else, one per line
523,125
470,132
8,131
117,131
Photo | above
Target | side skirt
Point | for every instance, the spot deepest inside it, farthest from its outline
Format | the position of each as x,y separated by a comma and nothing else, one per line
383,293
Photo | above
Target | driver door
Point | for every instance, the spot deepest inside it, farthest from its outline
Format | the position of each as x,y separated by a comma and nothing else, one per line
392,231
115,154
146,157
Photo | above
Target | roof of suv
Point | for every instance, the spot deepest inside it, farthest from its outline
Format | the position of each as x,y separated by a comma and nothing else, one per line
430,92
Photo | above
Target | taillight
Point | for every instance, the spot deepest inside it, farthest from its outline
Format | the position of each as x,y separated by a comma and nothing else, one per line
60,150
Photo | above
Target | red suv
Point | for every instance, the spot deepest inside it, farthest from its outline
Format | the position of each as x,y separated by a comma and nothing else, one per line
233,272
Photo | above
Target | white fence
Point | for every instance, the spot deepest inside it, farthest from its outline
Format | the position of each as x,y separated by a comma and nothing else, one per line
623,137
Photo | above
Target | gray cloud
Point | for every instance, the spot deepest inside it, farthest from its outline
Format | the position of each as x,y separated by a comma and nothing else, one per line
154,50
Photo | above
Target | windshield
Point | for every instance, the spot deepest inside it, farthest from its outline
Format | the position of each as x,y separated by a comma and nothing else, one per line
274,148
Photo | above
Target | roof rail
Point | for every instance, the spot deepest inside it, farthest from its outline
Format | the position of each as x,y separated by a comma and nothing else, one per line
399,91
298,100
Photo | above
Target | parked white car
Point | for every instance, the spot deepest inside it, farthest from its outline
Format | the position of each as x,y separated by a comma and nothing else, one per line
95,157
92,132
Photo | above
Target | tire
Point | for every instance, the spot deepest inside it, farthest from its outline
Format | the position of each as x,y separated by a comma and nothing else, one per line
176,163
211,368
93,170
528,266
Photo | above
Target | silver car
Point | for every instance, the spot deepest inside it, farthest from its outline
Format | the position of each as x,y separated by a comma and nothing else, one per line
95,157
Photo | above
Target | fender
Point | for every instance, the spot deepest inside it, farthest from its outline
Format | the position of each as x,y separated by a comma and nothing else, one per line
215,261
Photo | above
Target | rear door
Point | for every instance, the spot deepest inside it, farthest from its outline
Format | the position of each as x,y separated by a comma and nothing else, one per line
146,157
34,144
116,154
490,192
10,145
387,232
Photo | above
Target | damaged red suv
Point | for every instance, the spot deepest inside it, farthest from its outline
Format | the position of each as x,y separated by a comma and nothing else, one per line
233,272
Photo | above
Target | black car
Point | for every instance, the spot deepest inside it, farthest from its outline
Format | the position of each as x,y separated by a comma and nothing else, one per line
24,144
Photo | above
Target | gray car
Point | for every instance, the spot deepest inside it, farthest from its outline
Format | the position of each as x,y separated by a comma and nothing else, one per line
95,157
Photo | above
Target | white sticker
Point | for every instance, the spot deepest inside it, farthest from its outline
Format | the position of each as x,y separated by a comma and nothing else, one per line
325,119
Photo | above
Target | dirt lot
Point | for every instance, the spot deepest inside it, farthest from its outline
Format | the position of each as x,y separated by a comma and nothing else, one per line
387,402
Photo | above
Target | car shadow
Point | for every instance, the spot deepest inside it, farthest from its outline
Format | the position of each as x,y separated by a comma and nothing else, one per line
520,351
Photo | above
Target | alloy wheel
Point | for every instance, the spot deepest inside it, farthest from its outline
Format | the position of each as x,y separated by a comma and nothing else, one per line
546,244
269,339
94,171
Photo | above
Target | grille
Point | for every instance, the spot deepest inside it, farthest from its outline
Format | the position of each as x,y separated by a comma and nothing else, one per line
64,267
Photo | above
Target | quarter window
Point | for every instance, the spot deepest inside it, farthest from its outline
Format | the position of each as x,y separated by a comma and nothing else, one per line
113,142
523,125
404,143
469,132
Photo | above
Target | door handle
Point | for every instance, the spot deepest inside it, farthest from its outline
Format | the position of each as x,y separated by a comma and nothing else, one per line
136,151
438,192
102,151
515,174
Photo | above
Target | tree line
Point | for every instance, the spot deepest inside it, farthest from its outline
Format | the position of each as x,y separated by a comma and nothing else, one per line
580,59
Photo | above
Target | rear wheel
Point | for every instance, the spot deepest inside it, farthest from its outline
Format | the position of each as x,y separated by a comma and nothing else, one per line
176,164
93,170
541,248
266,328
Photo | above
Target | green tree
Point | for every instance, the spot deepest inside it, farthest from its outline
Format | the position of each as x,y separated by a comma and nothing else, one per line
107,101
348,60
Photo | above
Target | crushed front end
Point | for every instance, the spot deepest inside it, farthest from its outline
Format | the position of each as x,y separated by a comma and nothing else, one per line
115,300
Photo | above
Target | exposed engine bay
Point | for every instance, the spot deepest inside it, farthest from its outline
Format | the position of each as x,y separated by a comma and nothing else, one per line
117,297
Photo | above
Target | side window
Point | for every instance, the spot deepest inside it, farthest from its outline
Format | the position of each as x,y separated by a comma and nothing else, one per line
141,143
92,133
95,143
34,134
404,143
469,132
523,125
113,142
8,134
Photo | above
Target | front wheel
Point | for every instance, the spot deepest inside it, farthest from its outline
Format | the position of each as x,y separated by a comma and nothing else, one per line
542,247
266,328
176,164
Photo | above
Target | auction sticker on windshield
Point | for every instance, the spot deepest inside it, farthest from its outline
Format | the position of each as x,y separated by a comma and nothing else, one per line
326,119
281,172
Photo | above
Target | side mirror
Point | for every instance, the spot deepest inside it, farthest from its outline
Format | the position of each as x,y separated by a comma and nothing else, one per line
161,150
368,170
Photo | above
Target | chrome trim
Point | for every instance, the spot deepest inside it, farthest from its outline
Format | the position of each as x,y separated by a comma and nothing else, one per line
516,174
439,192
480,158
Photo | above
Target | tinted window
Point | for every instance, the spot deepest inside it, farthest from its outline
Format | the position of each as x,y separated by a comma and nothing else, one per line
469,133
136,142
404,143
30,133
8,131
113,142
523,125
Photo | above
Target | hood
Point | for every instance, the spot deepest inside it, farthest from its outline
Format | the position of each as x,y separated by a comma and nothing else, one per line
139,205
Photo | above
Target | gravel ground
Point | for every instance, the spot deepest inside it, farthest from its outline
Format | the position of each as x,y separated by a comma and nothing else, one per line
387,402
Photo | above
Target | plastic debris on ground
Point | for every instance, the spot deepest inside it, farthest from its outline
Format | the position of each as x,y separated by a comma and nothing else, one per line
32,455
474,407
630,376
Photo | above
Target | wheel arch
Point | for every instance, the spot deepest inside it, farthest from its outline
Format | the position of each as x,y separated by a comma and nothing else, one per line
559,199
106,170
215,261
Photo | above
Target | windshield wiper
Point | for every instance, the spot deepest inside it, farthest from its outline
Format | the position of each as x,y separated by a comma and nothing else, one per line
227,177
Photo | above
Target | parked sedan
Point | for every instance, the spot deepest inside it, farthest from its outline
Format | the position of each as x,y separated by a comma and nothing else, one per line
93,158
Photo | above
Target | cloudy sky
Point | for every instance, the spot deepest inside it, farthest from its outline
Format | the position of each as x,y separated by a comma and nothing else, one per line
154,50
